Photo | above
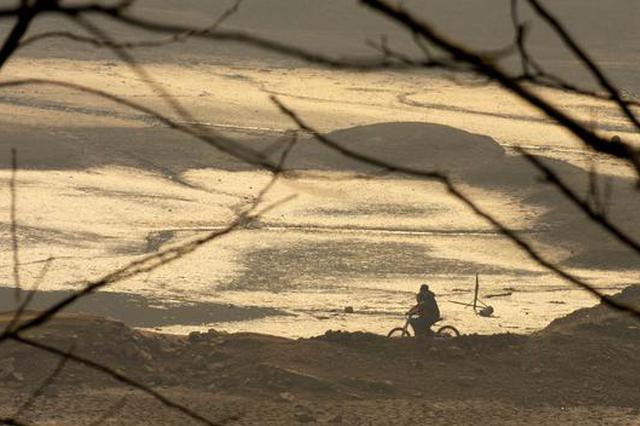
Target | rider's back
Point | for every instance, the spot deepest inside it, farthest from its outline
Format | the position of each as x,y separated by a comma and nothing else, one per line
428,305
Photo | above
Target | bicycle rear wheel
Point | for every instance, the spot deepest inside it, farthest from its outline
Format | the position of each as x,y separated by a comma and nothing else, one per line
447,331
399,332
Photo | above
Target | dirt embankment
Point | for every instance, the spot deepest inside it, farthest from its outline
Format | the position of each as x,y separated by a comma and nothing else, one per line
589,358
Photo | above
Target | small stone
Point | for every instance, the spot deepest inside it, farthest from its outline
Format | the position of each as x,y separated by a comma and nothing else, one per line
348,310
286,396
145,355
168,349
337,419
215,366
304,416
455,352
466,380
7,368
194,337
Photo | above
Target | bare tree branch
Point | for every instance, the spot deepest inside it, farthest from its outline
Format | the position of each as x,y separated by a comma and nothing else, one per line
12,422
525,246
550,81
460,58
146,264
585,59
520,35
481,65
100,42
594,214
153,261
119,377
44,385
24,14
110,412
27,300
14,224
222,143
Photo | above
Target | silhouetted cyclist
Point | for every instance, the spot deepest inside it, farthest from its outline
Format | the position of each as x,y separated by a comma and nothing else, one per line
426,312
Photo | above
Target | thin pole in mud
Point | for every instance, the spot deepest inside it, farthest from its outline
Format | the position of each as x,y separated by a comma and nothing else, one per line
475,294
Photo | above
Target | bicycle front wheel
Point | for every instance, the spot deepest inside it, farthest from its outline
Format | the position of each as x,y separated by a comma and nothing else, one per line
448,331
399,332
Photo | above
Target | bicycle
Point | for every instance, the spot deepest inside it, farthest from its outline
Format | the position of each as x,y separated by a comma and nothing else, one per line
444,331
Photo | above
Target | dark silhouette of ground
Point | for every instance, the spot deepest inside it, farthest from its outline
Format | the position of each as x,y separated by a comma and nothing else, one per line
587,359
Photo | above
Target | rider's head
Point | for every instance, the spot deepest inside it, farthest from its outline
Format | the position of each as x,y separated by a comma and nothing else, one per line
424,287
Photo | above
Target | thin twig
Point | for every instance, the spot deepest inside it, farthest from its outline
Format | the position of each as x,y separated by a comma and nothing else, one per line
24,14
12,422
220,142
44,385
512,235
620,149
14,224
27,300
117,376
585,59
161,258
595,215
110,412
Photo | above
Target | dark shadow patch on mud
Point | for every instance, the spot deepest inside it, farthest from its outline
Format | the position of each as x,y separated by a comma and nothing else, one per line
133,195
318,264
157,239
402,210
470,159
139,311
60,106
33,235
481,162
407,99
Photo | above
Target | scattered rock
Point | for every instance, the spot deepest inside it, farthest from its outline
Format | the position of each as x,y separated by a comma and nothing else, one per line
7,367
145,355
8,370
348,310
466,380
195,336
169,349
337,419
215,366
212,332
455,352
286,396
487,311
304,416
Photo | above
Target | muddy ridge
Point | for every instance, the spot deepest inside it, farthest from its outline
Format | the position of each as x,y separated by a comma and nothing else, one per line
589,357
